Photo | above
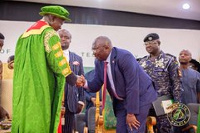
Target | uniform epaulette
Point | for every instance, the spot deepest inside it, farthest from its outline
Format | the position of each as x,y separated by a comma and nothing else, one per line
170,55
141,59
144,57
138,59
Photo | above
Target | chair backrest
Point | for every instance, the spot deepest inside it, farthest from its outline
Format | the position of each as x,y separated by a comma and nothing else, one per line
80,122
91,119
95,116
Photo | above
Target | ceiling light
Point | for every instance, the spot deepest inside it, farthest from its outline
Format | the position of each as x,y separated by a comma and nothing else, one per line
186,6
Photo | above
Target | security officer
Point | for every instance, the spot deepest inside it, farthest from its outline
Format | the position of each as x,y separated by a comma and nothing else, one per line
164,71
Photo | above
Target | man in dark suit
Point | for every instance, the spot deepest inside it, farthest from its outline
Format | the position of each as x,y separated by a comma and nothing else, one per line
130,88
74,97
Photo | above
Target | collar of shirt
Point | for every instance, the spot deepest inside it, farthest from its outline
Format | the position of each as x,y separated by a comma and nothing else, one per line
66,54
108,58
161,55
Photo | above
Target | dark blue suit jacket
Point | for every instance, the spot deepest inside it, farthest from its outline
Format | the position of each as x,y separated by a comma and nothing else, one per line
131,82
72,93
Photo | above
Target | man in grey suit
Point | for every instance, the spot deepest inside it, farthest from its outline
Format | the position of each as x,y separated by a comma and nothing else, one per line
74,97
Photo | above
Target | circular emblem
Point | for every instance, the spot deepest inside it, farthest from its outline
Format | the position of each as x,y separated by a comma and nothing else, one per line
150,38
180,114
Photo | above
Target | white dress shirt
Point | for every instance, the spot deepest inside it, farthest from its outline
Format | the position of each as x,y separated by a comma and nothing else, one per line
66,54
110,76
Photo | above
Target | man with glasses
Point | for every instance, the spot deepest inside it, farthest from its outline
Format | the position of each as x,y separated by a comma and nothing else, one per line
163,69
130,88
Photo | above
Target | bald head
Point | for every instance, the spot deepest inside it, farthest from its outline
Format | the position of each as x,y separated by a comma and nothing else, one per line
102,40
65,31
102,47
65,38
184,57
186,51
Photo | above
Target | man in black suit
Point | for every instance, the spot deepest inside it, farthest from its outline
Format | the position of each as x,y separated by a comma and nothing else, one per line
74,97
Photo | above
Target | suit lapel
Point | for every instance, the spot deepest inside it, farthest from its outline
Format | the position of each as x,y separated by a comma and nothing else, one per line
72,98
71,59
113,63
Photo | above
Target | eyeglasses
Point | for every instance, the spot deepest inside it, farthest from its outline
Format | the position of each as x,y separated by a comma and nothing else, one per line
98,48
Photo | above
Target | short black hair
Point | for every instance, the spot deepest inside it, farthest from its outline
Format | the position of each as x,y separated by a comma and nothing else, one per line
11,58
196,63
2,36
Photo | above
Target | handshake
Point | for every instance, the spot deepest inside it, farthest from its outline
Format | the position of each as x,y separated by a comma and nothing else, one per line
80,82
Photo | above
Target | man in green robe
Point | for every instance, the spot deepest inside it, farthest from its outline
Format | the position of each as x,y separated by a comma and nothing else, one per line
39,75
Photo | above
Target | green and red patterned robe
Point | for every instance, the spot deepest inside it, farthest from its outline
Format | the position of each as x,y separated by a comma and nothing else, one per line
39,77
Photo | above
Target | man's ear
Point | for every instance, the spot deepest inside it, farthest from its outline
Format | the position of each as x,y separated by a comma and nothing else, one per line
159,42
51,18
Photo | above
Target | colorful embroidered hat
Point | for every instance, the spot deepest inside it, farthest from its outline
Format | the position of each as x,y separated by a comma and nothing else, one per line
57,11
151,37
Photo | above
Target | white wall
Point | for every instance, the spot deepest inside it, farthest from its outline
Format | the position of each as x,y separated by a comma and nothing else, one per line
130,38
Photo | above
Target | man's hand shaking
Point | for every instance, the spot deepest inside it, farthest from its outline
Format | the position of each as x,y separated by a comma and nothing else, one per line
80,82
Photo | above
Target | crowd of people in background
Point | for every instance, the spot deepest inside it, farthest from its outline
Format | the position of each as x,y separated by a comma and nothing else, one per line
47,76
